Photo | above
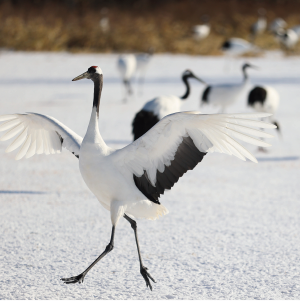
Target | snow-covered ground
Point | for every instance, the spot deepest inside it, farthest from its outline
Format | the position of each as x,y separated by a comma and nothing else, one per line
233,227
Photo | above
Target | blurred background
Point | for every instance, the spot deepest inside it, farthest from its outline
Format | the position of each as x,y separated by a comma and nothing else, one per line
136,25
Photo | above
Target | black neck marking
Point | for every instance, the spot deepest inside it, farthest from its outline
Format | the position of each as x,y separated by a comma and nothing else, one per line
98,84
187,85
245,73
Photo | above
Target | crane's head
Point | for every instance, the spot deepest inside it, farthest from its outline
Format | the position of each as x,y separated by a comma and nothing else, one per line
93,73
247,65
189,74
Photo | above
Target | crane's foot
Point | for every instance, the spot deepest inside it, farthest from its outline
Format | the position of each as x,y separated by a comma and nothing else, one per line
146,276
74,279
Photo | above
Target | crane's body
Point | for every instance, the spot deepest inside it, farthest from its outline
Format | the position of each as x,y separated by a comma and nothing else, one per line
201,31
288,38
225,95
127,66
129,182
237,46
259,26
157,108
265,99
125,197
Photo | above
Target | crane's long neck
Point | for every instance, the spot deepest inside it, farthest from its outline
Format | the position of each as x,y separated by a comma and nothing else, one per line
187,85
93,135
245,75
98,84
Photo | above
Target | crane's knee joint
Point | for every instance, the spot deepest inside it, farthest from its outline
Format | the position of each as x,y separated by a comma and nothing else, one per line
133,225
109,247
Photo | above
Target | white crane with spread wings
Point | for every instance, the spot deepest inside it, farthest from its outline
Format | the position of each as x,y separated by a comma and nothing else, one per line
129,181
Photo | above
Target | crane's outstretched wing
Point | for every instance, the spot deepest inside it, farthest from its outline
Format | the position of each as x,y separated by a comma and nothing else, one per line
180,141
38,134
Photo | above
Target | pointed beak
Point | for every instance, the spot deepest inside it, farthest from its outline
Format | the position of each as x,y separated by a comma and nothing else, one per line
253,67
200,80
81,76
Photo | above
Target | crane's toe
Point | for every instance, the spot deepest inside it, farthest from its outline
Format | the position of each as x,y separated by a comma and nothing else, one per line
146,276
74,279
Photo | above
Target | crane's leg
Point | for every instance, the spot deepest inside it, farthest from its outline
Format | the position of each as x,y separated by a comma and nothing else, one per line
128,86
81,276
143,269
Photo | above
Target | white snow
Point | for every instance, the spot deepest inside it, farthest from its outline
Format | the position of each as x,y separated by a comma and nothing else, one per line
233,227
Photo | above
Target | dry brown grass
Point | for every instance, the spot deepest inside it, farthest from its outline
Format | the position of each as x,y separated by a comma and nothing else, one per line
166,26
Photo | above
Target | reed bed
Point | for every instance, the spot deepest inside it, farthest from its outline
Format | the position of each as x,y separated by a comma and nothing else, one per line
135,26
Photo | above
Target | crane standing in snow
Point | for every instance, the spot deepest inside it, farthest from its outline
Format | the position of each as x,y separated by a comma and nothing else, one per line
128,182
224,95
157,108
265,99
237,46
127,66
259,26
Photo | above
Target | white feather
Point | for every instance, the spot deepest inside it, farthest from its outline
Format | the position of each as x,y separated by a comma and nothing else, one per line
7,117
12,132
32,149
45,132
17,142
24,148
8,124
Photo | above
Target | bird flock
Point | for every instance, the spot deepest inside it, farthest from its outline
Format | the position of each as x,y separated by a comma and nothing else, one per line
286,37
129,182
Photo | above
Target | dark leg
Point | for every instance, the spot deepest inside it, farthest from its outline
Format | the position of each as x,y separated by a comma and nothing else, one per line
128,86
143,269
80,277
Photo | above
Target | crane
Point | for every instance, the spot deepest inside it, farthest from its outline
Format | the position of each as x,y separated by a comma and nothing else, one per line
157,108
225,95
237,46
259,26
265,99
128,182
127,67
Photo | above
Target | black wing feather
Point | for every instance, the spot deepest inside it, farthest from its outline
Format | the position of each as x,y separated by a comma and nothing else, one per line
186,158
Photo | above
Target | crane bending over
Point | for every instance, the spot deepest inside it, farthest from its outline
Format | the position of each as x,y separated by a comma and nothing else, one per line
157,108
128,182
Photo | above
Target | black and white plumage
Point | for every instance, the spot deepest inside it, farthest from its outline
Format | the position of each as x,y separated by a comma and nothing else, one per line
265,99
288,38
225,95
259,26
155,109
237,46
129,181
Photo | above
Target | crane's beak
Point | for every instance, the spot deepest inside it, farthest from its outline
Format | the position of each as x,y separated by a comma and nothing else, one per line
200,80
81,76
254,67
